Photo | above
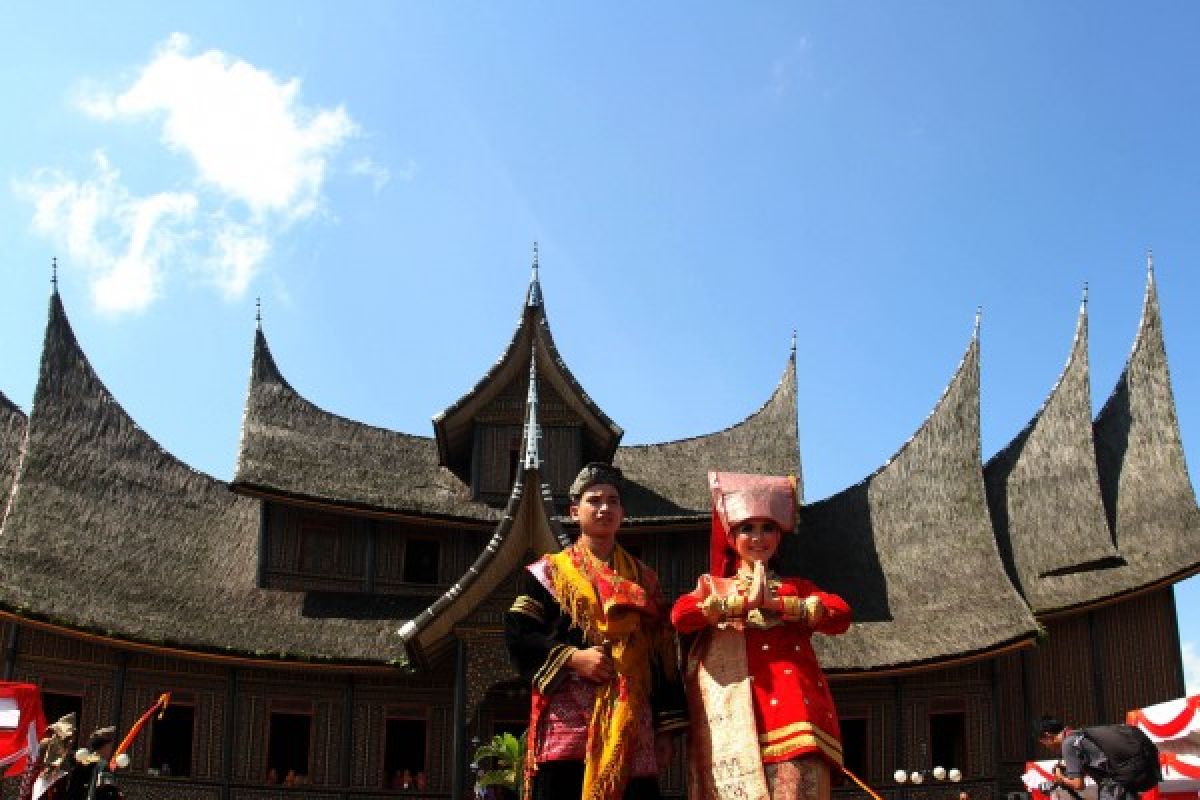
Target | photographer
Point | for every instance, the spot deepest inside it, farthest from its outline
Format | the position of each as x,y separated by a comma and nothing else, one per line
1119,758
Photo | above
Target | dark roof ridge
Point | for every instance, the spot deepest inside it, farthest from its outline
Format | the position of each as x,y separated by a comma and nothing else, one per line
789,370
410,632
972,348
8,405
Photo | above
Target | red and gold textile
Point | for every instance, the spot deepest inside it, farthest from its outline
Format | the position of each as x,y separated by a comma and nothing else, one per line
621,608
786,694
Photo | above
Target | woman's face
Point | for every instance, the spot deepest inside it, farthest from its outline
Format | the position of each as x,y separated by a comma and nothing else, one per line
756,540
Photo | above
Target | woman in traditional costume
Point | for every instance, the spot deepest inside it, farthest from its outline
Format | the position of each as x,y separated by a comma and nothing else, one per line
763,724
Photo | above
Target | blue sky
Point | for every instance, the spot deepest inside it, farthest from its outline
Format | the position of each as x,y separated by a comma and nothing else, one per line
702,180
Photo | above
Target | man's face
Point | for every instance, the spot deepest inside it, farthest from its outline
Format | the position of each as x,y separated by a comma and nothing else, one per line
1050,741
599,511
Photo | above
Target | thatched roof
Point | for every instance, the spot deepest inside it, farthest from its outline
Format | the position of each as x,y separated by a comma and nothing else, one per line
292,448
911,549
13,424
454,426
1144,481
110,534
667,480
1044,495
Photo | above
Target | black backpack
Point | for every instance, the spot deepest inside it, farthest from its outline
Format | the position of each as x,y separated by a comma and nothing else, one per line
1132,757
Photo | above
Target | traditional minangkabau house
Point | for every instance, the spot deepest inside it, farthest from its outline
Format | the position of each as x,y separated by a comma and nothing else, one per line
334,611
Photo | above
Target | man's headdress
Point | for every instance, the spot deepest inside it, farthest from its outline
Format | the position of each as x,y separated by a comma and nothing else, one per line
593,474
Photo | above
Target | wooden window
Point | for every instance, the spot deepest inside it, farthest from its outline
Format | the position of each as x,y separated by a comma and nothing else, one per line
421,557
948,740
855,746
318,549
288,741
171,740
405,742
56,705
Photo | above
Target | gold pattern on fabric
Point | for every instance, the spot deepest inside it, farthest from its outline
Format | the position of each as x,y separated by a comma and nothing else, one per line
789,737
724,761
544,677
524,604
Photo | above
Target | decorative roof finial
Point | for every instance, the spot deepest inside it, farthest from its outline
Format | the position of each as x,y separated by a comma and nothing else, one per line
1085,293
533,431
54,273
793,342
978,317
1150,261
534,298
258,312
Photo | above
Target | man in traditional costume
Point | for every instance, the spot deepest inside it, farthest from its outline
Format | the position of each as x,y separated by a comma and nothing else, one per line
763,721
57,757
89,778
589,631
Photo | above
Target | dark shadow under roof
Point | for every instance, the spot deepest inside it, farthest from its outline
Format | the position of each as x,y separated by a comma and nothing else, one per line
110,534
669,479
292,448
911,549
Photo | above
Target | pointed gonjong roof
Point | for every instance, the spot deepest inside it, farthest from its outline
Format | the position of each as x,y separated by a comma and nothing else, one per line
1044,494
667,480
529,526
1144,481
109,534
911,549
453,427
13,424
293,449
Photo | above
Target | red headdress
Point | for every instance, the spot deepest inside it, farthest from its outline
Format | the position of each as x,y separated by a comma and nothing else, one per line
737,498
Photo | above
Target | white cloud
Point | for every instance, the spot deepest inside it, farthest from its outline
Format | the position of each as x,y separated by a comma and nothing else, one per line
257,161
380,176
1191,668
244,130
121,239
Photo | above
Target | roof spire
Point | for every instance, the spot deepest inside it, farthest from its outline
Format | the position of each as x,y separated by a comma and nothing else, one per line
1150,262
533,432
54,273
978,318
258,312
1085,294
793,342
534,298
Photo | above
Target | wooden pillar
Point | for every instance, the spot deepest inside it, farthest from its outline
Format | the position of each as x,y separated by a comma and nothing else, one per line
458,741
347,735
119,690
231,733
